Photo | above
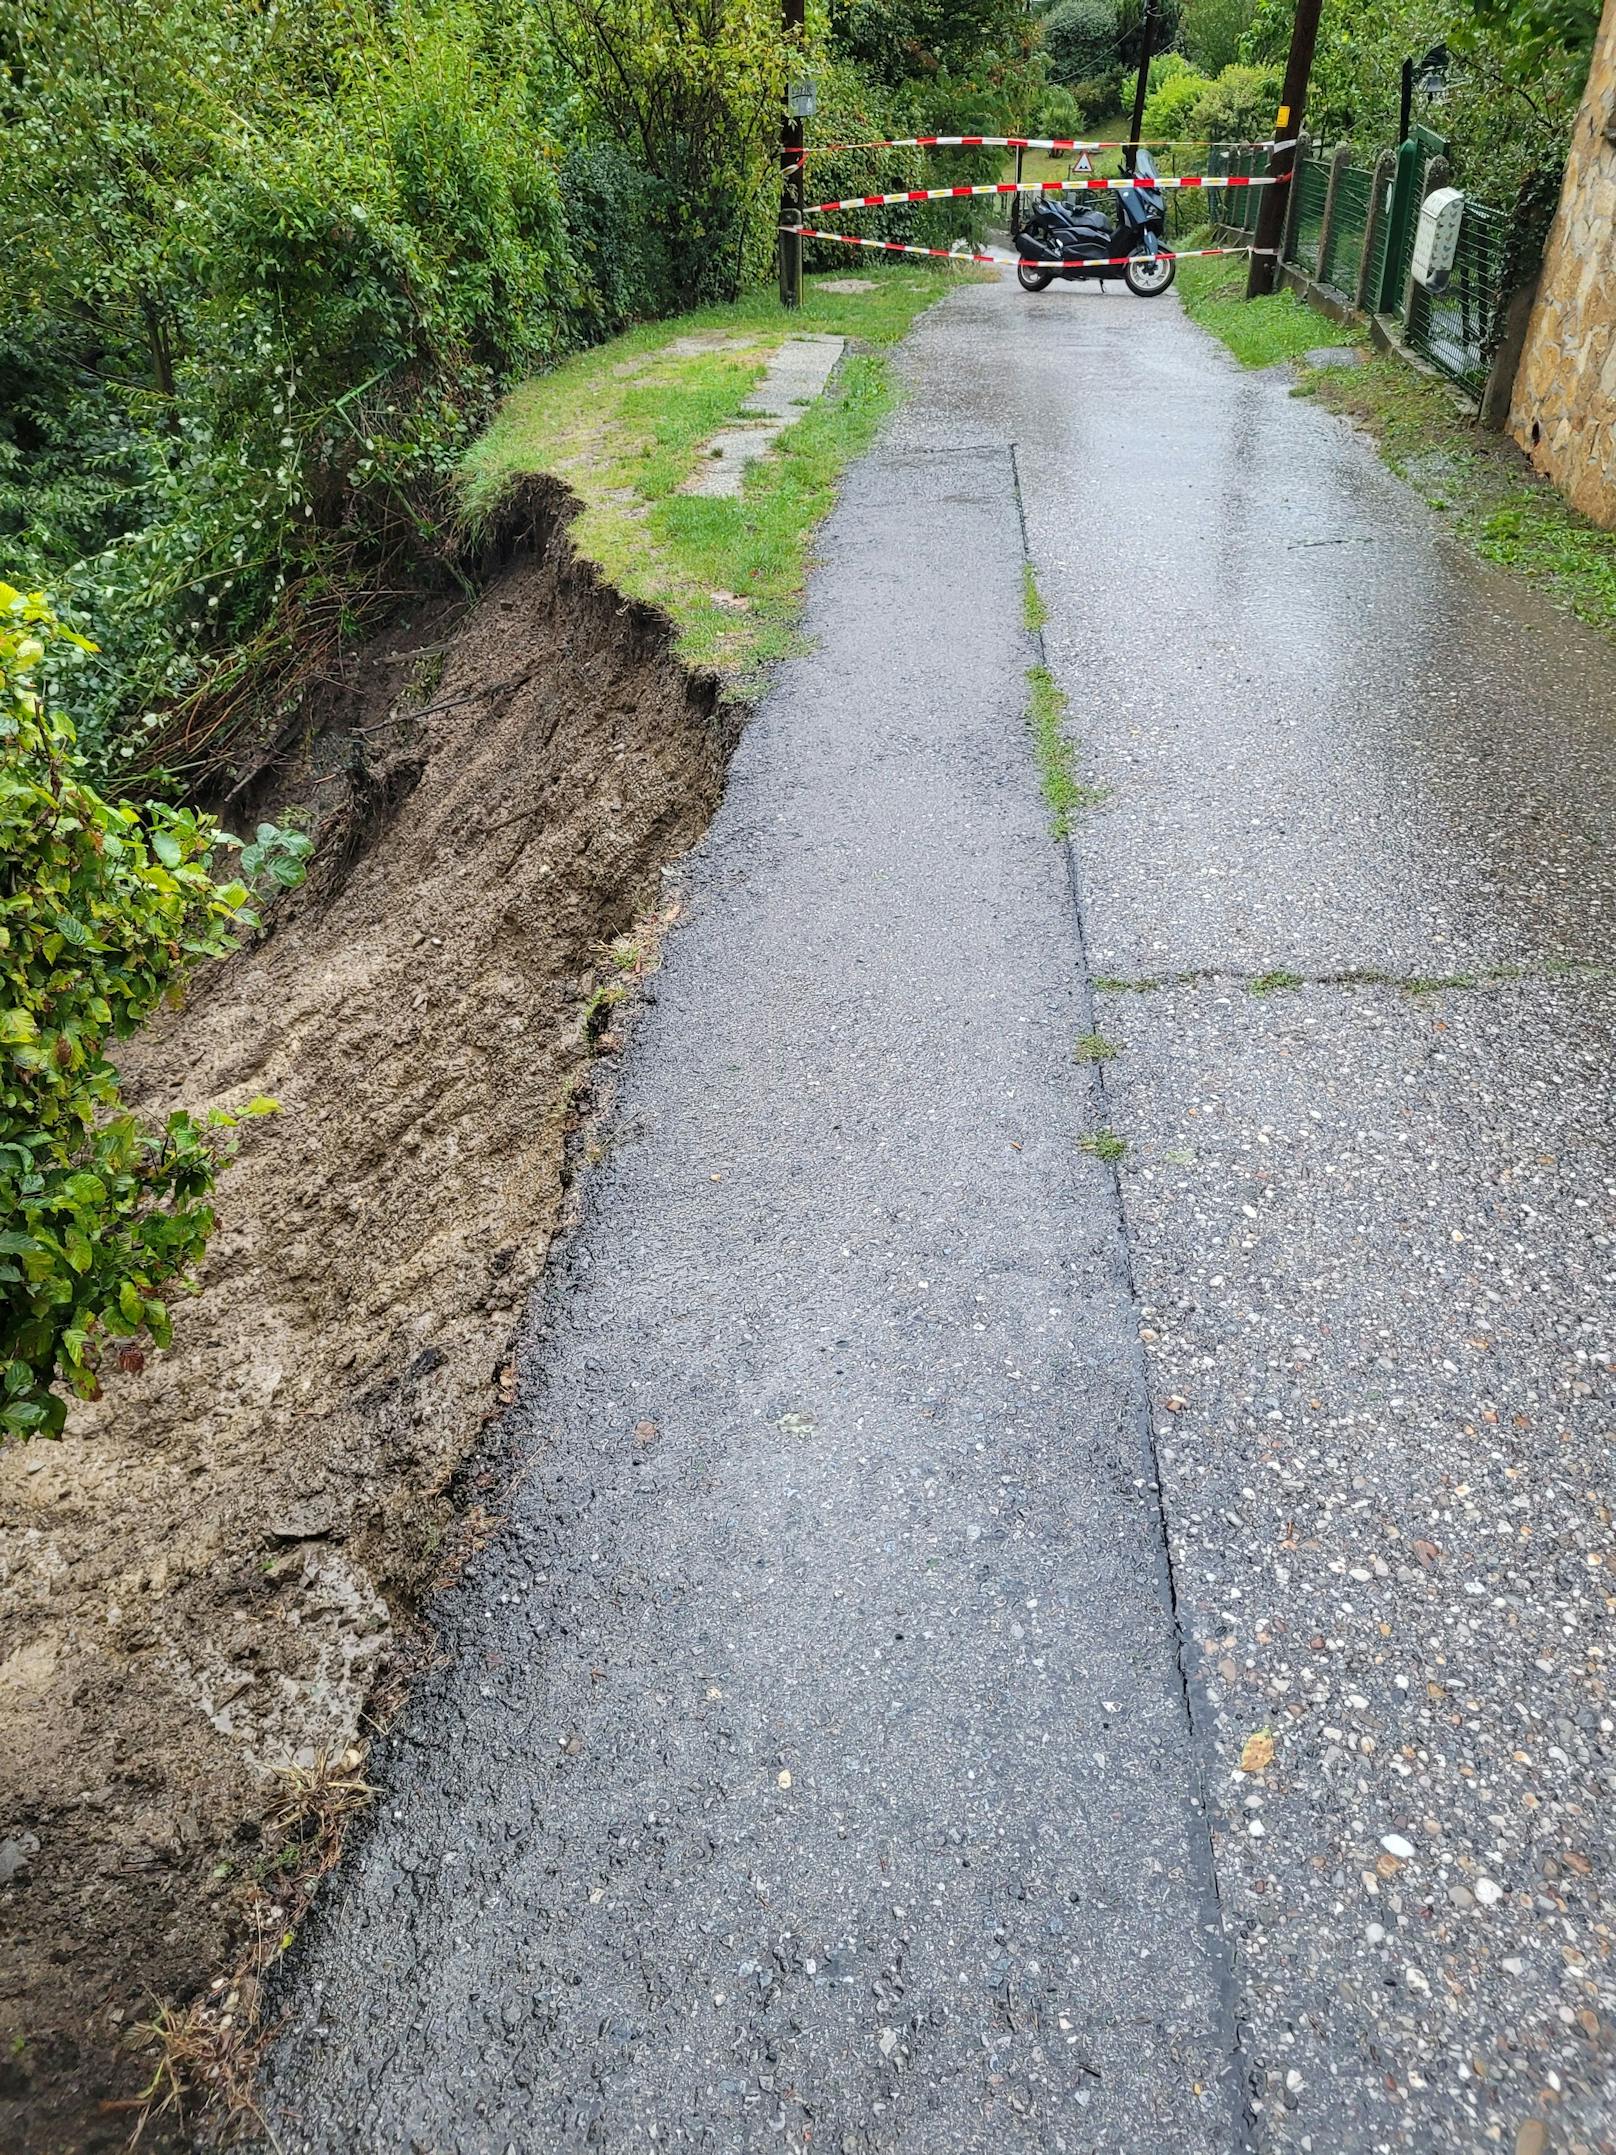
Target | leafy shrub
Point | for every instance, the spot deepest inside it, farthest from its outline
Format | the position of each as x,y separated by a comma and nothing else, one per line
616,216
1239,106
1212,30
1168,109
693,94
104,911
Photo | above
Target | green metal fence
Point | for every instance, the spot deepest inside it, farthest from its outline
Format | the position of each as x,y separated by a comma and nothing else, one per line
1341,256
1365,244
1234,209
1452,328
1311,181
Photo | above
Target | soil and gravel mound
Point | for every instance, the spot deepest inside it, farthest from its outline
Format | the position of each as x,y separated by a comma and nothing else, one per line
212,1573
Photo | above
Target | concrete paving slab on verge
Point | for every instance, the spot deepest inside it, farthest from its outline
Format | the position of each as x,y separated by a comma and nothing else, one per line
808,1761
793,378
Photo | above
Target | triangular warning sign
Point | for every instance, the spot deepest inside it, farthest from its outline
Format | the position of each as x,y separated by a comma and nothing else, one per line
1085,163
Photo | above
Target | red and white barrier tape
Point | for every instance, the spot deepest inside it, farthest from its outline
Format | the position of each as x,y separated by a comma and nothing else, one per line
1041,187
1011,261
1032,142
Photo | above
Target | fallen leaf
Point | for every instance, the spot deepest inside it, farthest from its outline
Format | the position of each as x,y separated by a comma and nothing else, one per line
1257,1752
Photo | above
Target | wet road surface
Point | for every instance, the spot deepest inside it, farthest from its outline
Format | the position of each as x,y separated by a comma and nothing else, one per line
828,1754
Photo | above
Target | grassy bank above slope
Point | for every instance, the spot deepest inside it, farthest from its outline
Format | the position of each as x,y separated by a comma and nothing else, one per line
624,425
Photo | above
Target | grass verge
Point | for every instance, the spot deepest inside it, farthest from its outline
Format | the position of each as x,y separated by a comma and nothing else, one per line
1479,481
624,425
1257,331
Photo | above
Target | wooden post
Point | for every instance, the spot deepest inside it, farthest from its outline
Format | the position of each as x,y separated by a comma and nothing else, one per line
1287,224
1273,218
1147,38
1366,301
1339,157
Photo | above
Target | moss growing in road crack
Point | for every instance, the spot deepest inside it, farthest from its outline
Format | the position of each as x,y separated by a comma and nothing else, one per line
1057,759
1034,612
1094,1048
1103,1145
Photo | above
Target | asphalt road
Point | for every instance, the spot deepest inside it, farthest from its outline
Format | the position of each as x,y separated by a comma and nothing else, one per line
829,1754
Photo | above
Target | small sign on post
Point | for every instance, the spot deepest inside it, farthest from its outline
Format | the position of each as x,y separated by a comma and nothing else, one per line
1085,163
800,98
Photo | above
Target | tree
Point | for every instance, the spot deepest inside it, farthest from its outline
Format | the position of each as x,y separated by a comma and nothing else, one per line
1211,33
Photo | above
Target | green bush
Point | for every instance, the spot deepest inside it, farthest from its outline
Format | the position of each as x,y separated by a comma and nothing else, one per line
1239,106
104,911
1168,110
1080,37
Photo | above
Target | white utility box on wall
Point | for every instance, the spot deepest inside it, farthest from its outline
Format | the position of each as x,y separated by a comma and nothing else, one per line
1436,237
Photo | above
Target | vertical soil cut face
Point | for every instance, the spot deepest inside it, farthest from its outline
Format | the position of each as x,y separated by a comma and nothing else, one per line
203,1581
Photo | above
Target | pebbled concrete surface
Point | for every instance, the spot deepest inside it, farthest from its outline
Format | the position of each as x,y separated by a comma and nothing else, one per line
1373,1229
792,1513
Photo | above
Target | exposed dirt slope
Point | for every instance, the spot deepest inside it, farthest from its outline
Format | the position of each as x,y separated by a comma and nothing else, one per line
202,1581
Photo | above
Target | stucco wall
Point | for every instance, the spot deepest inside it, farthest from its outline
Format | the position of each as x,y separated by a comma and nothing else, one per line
1563,412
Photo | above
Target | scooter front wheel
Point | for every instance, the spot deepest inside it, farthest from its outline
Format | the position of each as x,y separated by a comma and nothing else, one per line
1147,276
1033,280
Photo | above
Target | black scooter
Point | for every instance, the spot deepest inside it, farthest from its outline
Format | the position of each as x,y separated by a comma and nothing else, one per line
1081,243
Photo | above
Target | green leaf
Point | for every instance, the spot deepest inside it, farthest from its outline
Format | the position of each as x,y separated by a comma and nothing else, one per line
129,1301
17,1025
167,848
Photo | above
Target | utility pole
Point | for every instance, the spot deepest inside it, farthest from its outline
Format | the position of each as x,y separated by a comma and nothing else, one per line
1147,38
1264,271
791,147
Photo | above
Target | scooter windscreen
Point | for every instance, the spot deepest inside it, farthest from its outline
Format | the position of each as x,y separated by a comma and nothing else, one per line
1141,204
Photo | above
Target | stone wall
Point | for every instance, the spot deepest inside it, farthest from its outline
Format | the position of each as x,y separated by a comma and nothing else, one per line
1563,411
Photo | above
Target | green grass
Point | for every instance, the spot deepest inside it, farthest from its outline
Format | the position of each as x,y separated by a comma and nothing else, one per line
1034,613
1103,1145
1094,1048
624,425
1057,759
1258,331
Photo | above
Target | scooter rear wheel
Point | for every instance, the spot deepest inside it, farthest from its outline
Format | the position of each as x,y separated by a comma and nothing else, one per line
1033,280
1147,276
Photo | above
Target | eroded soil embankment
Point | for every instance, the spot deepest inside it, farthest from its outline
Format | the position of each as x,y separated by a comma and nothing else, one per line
205,1579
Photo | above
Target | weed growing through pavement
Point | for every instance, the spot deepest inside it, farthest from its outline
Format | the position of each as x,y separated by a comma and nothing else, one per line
1094,1048
1103,1145
1034,612
1057,760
